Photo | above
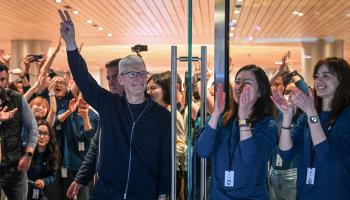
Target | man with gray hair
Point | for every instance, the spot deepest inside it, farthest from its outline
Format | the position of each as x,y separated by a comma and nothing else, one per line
135,161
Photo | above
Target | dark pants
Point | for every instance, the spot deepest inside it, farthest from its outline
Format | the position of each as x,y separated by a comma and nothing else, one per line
35,193
181,185
103,191
13,183
84,191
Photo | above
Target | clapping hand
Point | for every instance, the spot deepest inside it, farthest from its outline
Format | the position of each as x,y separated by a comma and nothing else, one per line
6,115
245,103
219,100
286,106
304,102
72,105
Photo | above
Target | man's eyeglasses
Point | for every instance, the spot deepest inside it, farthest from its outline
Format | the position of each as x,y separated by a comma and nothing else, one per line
131,74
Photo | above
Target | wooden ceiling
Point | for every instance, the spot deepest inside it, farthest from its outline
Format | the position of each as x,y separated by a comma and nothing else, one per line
161,23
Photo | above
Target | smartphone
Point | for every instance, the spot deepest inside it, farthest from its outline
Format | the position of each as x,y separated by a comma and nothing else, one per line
36,58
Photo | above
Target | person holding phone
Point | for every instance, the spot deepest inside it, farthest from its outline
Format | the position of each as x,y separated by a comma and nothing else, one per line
240,141
321,134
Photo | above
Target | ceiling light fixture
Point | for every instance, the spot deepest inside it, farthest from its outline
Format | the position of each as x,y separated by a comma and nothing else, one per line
251,38
100,28
109,34
58,1
236,12
75,12
258,27
232,28
300,14
278,62
231,34
239,0
89,21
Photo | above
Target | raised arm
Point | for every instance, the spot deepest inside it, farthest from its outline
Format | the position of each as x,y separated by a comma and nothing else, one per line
207,139
46,67
34,88
51,116
90,89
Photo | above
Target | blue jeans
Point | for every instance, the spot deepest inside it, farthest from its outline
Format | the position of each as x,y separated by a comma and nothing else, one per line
283,184
14,183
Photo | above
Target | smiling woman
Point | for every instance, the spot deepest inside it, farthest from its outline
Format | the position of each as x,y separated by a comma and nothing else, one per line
45,162
321,135
240,141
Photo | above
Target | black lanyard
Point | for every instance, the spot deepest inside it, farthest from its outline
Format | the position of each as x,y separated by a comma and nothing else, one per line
232,143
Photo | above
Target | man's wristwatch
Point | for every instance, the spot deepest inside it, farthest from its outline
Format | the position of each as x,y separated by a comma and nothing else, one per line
313,119
244,122
29,154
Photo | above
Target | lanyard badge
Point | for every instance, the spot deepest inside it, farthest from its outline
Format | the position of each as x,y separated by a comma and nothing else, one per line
229,178
310,177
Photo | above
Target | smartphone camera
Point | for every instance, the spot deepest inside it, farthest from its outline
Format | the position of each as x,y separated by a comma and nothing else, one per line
36,58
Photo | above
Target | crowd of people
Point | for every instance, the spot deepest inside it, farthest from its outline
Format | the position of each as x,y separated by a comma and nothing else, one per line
69,138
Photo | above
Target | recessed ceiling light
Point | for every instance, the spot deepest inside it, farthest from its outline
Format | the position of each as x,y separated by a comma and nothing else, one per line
100,28
89,21
239,0
75,12
58,1
233,22
236,12
278,62
251,38
300,14
295,12
232,28
109,34
307,57
258,27
231,34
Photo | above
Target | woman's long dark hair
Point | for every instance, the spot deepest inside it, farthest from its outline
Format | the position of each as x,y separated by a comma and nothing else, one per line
341,99
52,154
164,81
263,105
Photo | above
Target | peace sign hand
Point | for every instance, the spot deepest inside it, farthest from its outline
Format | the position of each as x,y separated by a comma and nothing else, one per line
67,30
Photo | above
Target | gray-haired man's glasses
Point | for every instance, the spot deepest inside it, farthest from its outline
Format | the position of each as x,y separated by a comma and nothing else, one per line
131,74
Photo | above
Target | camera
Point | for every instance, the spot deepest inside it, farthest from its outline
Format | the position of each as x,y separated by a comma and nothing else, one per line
139,48
36,58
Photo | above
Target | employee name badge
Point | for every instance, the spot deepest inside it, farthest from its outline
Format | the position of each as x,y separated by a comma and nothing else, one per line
229,178
35,194
58,127
279,161
310,177
81,146
64,173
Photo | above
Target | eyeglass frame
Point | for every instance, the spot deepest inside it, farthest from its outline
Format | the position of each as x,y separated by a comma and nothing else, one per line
44,133
141,74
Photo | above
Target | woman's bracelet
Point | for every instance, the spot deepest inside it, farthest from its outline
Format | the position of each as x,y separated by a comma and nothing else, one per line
286,128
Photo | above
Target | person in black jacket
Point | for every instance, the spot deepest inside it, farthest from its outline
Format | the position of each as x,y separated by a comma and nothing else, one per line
135,159
88,167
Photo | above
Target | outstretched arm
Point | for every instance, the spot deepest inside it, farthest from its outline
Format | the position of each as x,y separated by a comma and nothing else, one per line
92,92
